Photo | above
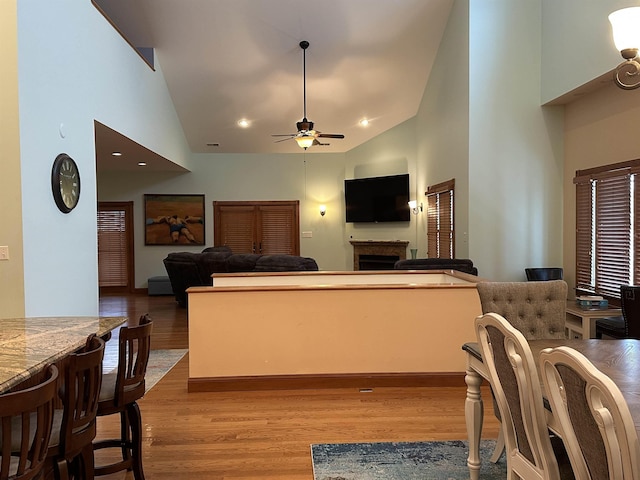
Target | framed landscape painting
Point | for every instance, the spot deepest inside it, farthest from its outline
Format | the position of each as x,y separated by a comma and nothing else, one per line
174,219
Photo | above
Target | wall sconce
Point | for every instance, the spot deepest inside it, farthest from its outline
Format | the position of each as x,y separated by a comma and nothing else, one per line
323,210
626,35
415,208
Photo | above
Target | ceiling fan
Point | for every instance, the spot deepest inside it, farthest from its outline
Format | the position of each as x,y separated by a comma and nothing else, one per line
306,135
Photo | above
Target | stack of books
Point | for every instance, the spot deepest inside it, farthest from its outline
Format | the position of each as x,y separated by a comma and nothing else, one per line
592,301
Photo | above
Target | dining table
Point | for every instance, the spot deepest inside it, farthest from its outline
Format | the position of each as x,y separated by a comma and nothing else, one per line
28,345
618,359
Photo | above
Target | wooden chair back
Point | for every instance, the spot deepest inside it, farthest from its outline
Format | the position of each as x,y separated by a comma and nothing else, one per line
133,356
27,418
518,394
80,393
597,427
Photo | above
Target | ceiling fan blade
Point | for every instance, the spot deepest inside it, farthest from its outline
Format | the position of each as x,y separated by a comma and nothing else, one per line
330,135
316,142
284,135
282,140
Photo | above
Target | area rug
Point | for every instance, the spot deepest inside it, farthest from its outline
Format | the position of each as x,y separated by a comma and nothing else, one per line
402,461
160,362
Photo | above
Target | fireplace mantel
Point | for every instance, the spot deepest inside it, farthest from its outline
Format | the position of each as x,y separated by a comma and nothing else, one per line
383,253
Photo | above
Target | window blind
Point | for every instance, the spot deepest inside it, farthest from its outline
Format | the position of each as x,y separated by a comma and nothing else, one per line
440,224
112,248
607,228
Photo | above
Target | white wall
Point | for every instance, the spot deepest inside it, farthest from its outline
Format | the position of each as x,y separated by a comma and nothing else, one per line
442,124
74,68
515,146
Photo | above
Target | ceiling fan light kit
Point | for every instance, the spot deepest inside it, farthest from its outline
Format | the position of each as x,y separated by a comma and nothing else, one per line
305,141
306,135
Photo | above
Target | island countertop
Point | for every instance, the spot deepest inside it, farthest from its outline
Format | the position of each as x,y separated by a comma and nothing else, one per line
27,345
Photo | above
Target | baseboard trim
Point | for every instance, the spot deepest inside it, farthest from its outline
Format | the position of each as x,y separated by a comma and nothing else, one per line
300,382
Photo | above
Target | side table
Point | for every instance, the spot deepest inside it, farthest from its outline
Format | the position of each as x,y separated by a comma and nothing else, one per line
580,322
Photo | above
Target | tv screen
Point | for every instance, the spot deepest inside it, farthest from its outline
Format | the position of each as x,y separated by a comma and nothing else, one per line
377,199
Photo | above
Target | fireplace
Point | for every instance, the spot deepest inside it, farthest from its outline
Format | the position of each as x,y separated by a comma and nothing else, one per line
377,262
378,255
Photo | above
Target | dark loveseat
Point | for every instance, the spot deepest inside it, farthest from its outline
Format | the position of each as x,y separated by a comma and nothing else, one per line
460,264
188,269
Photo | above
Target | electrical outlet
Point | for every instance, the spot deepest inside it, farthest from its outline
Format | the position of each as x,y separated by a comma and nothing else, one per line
4,253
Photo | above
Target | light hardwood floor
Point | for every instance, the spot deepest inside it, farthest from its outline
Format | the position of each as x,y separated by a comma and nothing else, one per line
267,435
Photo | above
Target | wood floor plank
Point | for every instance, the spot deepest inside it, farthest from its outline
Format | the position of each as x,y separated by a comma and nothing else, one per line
266,435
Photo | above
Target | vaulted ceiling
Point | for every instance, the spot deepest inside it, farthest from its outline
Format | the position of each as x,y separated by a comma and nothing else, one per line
227,60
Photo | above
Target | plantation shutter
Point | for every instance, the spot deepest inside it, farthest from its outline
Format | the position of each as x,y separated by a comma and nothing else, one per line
268,228
440,231
445,232
236,228
277,230
112,249
613,233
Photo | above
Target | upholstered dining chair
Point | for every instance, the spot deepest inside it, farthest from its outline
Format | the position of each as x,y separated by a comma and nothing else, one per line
514,377
74,426
119,394
628,325
536,308
27,419
595,422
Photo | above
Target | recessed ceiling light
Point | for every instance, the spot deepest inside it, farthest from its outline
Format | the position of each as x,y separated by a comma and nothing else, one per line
116,154
364,122
142,164
244,123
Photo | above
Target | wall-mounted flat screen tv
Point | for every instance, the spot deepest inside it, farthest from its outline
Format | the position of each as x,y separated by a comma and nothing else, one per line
377,199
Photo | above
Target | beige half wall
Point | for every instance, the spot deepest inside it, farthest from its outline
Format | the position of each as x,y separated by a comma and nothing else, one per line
351,332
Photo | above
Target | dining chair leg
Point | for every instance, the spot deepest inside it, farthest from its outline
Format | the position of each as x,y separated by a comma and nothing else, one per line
125,436
497,453
62,470
135,420
86,464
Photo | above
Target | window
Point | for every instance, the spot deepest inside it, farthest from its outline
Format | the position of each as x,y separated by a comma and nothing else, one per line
607,229
115,245
440,238
258,227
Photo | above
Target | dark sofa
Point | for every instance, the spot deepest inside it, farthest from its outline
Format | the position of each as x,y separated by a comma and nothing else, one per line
460,264
188,269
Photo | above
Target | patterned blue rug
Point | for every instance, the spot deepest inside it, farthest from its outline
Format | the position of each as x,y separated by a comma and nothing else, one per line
402,461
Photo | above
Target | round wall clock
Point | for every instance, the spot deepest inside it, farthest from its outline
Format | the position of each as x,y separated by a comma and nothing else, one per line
65,183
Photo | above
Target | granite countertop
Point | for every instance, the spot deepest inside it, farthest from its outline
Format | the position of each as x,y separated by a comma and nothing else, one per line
27,345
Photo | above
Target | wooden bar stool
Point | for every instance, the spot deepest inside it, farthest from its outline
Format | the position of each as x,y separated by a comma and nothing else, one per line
74,426
119,393
27,418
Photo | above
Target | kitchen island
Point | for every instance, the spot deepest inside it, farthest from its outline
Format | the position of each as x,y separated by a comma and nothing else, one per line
324,329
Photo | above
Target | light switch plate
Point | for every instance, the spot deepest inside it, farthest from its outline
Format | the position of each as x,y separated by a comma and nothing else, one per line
307,234
4,253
